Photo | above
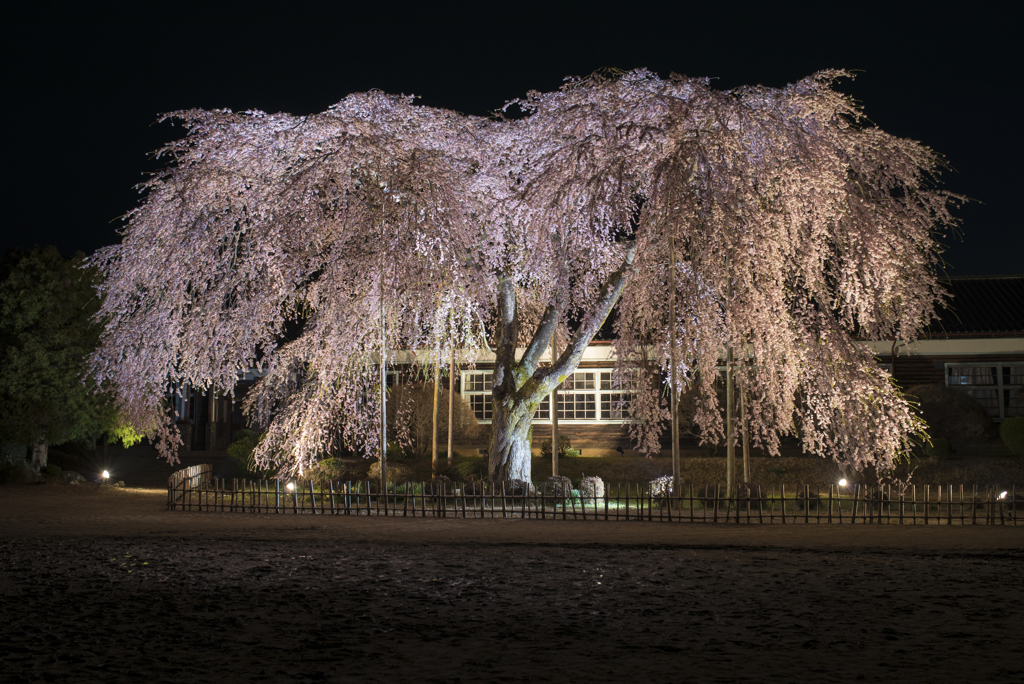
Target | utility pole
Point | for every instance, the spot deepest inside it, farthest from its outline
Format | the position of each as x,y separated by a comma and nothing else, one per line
383,394
730,410
676,478
746,433
554,408
433,441
451,406
730,432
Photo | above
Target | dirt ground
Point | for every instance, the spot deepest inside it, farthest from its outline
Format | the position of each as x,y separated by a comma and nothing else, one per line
105,585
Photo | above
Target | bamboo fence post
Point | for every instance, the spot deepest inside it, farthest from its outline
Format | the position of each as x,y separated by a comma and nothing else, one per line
974,505
717,491
690,497
961,505
949,509
927,503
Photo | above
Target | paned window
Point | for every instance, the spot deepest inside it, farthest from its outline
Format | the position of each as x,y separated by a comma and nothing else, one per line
615,405
543,411
481,405
577,405
586,395
476,390
999,387
578,381
479,382
972,375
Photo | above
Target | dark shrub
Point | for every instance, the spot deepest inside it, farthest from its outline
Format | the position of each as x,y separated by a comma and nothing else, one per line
471,470
396,472
951,414
1012,433
592,488
50,472
556,487
329,469
241,450
564,448
11,473
940,449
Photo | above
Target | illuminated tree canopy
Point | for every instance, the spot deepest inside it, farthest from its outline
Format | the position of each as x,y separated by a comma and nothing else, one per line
796,223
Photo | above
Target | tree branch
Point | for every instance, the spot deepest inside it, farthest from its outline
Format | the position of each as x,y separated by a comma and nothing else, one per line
541,339
508,331
610,293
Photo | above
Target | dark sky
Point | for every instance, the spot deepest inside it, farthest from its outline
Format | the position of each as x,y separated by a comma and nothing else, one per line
81,95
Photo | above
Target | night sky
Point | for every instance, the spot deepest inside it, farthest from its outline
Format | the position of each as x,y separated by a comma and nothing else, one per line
81,95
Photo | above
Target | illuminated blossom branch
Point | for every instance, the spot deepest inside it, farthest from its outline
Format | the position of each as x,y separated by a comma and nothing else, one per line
796,224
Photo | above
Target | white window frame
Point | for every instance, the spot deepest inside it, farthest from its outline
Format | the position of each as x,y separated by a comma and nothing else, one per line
1001,387
602,387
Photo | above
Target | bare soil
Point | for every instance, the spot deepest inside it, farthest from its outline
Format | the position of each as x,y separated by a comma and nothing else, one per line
100,584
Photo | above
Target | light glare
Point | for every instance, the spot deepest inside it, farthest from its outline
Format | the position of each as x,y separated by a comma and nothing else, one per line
842,482
106,475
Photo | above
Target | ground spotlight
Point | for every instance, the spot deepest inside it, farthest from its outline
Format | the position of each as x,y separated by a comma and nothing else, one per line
106,475
842,482
290,486
1003,495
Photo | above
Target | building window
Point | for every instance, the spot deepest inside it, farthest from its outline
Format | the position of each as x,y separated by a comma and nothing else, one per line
481,405
577,405
587,395
615,406
543,411
999,387
476,389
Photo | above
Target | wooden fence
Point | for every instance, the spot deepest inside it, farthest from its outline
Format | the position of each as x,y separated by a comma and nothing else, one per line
195,489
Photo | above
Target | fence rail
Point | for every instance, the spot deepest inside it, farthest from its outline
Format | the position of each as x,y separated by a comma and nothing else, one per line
196,489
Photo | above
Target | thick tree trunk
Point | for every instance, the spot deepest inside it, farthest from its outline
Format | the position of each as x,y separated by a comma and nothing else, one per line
510,440
39,451
520,385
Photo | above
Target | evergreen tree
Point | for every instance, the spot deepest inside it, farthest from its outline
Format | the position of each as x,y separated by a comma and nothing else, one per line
46,335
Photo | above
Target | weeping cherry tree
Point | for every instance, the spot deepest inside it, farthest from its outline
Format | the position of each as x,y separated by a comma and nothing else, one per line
794,225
